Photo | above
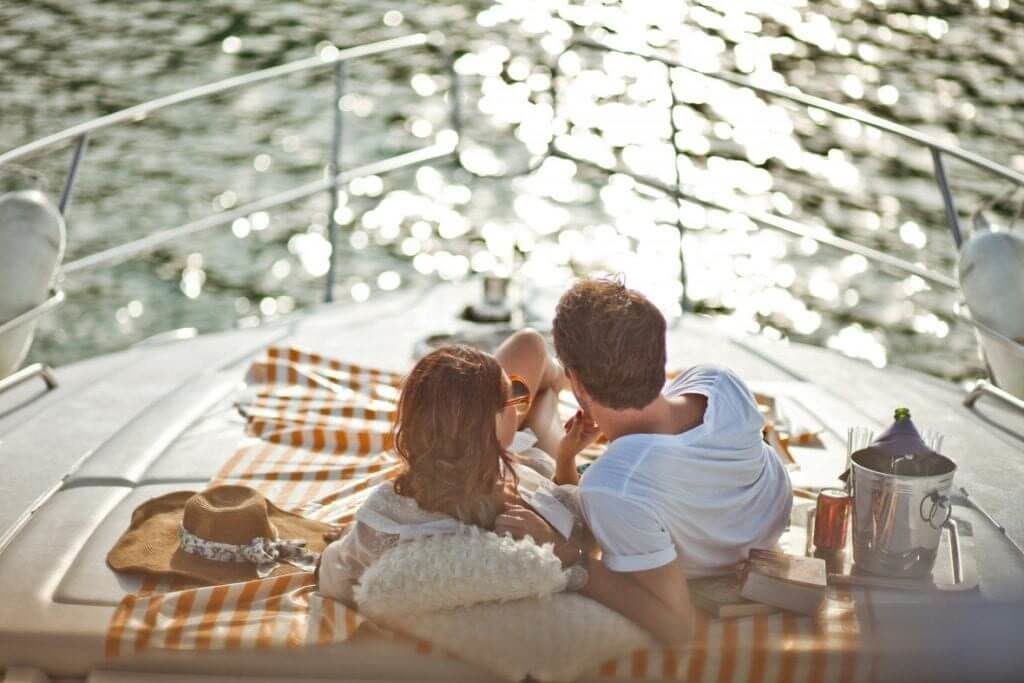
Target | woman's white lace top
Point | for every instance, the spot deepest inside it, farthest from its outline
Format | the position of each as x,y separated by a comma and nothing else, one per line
386,519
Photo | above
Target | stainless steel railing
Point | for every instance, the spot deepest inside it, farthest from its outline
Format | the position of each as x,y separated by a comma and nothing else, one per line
128,250
141,111
81,133
937,148
443,146
446,145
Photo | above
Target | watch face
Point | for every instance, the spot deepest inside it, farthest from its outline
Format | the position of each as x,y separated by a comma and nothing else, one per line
578,577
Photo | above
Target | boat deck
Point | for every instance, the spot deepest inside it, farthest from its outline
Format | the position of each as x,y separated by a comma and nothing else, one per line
160,417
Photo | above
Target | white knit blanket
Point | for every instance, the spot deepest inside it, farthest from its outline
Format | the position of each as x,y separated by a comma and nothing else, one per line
495,602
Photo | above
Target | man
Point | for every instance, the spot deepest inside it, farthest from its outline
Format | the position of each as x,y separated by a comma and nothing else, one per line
687,485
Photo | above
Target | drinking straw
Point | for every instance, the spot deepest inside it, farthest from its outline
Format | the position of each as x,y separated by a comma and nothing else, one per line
856,439
933,440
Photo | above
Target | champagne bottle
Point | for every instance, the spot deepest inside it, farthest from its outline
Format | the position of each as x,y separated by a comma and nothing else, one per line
902,437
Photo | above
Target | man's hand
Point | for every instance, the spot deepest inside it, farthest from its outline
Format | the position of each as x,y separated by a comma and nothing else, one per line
580,432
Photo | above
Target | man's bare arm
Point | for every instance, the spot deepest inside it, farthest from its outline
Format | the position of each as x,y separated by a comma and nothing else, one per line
580,432
656,600
565,470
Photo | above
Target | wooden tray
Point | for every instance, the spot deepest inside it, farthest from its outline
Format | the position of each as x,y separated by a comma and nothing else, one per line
955,563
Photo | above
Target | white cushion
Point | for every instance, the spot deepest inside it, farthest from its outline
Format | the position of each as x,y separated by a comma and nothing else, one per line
457,570
496,602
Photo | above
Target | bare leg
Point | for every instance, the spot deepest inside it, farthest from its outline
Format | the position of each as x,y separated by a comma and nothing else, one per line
545,422
525,354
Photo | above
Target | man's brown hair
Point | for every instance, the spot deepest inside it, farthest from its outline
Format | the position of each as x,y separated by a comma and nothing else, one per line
612,339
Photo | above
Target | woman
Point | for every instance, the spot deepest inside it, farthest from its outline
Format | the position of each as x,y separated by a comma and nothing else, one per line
460,414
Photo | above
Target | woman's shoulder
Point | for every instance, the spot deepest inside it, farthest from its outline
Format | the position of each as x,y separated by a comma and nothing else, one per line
383,495
389,511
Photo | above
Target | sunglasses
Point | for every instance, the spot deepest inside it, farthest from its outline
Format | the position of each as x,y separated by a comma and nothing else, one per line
519,395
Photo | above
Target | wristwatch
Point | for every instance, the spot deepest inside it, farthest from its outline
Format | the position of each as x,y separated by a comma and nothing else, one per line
577,572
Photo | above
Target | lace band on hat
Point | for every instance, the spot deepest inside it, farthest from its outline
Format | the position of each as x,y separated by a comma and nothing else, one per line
265,553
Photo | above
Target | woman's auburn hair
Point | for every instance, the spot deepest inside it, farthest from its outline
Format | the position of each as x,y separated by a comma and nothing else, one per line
446,436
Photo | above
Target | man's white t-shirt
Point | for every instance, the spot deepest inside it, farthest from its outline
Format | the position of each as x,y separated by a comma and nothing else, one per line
708,494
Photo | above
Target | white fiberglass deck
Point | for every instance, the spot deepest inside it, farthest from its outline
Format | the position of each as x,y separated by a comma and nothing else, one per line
127,427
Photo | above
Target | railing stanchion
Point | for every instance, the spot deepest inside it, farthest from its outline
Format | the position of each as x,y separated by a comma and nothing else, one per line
947,197
455,96
69,182
677,179
333,169
146,109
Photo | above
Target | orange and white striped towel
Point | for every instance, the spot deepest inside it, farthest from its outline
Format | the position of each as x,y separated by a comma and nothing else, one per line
779,647
283,611
316,443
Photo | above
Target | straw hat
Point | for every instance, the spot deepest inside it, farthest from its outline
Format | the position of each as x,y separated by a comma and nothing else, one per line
225,534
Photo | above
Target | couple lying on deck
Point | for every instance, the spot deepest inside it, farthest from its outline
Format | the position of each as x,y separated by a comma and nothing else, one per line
686,487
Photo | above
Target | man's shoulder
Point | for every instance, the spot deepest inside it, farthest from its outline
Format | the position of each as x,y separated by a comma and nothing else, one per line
607,473
697,379
607,496
617,466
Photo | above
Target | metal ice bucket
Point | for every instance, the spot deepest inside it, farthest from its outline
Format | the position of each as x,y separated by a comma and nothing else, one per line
899,507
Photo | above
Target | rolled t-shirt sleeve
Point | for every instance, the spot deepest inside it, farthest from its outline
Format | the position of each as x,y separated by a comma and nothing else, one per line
631,536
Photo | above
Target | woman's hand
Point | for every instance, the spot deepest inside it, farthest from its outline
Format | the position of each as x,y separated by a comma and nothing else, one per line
519,522
580,432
